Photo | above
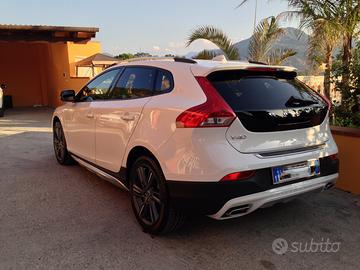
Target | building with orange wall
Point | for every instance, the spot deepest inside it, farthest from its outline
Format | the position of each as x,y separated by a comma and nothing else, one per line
37,62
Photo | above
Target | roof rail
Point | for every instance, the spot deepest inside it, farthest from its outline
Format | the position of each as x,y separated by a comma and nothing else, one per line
185,60
257,62
176,59
147,58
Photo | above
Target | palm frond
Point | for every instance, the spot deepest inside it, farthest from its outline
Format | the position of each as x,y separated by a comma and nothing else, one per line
242,2
266,33
289,15
216,36
278,56
206,55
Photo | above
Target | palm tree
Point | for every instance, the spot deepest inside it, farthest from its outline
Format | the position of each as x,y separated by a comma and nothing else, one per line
346,17
322,43
261,43
218,37
260,49
324,37
339,15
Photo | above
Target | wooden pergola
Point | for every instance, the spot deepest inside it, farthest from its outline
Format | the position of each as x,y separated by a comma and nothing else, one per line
11,32
96,60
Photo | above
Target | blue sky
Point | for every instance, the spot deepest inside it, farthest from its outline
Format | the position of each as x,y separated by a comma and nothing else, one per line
155,26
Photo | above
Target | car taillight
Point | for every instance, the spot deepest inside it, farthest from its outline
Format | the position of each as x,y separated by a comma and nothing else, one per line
238,176
262,69
214,112
334,157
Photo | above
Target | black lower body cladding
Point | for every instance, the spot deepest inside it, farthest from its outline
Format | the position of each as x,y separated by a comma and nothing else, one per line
208,197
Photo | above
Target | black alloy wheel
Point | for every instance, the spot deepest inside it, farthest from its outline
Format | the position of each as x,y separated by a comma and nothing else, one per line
150,200
61,153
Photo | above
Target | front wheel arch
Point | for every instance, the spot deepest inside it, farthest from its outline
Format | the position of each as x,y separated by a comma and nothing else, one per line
59,143
56,119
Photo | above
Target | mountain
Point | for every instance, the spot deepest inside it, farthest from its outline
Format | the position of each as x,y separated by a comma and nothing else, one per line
293,39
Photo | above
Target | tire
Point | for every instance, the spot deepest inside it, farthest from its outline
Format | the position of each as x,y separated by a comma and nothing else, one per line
150,200
61,153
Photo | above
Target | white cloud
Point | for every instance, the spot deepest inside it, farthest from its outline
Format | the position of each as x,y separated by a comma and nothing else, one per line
156,48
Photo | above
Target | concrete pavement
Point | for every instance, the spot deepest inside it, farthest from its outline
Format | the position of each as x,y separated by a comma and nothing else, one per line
54,217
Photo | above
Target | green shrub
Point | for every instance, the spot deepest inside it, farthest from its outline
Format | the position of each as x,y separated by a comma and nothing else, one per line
347,113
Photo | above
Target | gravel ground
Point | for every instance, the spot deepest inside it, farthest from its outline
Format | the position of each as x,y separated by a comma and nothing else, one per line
54,217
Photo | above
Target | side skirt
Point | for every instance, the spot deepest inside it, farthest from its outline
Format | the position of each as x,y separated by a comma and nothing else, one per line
101,173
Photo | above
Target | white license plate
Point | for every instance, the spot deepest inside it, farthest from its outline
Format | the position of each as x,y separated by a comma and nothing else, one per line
295,171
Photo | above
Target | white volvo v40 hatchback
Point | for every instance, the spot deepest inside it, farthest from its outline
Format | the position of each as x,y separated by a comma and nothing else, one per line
194,136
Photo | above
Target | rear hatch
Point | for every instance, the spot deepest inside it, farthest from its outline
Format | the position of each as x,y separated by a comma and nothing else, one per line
275,111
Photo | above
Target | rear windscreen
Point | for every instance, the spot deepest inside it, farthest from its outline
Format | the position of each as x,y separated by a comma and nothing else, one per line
275,100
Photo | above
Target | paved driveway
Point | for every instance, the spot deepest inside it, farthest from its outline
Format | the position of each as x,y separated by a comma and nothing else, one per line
54,217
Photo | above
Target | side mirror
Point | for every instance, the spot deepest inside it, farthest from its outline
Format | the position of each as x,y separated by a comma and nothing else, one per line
67,95
3,86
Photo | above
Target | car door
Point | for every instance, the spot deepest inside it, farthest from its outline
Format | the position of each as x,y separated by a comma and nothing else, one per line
80,117
117,118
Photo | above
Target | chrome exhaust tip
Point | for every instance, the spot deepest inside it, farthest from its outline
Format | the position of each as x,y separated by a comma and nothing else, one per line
237,210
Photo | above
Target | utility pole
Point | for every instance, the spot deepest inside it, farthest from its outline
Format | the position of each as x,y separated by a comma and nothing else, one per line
255,16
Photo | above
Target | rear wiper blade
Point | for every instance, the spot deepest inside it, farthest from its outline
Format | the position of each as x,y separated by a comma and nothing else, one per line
297,102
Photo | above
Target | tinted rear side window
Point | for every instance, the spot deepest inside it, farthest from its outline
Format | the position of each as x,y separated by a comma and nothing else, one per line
270,103
164,81
135,82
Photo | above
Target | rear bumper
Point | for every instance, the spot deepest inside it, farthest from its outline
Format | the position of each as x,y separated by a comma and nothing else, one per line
244,205
216,198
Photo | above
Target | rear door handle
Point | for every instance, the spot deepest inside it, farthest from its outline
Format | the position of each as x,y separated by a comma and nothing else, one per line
128,117
90,115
